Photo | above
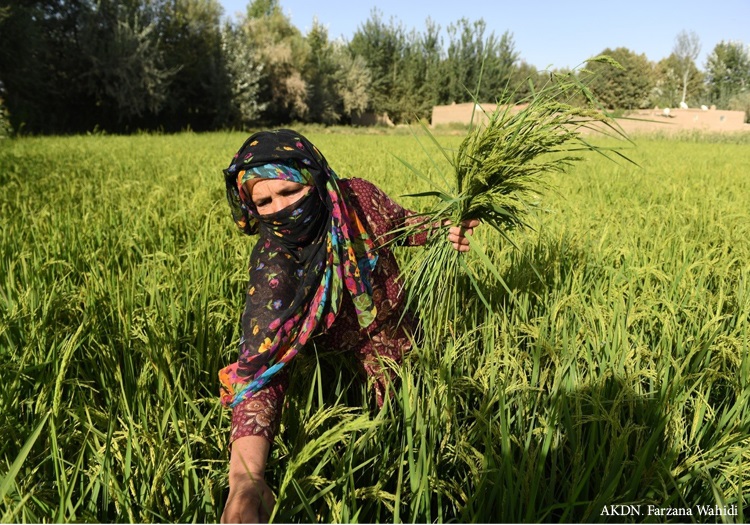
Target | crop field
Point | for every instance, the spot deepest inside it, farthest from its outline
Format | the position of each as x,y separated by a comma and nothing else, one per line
610,376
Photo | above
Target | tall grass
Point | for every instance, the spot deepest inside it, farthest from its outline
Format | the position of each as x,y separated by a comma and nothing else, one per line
495,175
616,374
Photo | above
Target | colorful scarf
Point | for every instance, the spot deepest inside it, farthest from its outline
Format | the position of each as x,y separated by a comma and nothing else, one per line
307,254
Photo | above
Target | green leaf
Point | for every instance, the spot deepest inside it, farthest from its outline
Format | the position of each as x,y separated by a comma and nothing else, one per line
10,477
439,194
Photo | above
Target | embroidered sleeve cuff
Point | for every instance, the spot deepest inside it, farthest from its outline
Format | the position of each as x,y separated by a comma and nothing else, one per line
260,415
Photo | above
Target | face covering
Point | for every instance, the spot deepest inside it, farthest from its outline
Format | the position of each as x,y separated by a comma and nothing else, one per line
307,256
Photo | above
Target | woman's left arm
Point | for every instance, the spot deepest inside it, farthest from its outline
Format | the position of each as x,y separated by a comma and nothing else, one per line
385,216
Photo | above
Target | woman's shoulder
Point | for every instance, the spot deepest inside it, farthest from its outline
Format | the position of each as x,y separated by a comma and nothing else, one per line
358,185
365,191
367,195
374,206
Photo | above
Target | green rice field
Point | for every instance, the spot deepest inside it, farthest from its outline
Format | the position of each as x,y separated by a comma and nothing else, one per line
610,377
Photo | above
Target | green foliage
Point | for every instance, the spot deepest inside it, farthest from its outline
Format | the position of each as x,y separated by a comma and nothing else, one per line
352,82
741,102
169,65
477,62
338,82
263,8
617,374
126,74
381,46
320,72
687,47
727,72
626,87
118,66
283,51
670,83
43,97
5,127
413,71
524,77
417,83
190,37
244,74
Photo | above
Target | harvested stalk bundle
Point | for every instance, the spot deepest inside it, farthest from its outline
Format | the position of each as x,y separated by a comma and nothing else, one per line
496,171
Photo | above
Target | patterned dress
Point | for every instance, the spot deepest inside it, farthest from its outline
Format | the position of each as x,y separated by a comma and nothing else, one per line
385,337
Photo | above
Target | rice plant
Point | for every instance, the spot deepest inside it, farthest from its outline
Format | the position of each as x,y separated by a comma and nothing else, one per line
617,375
496,175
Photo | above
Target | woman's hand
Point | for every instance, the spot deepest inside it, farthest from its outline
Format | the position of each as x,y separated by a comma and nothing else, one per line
249,501
457,235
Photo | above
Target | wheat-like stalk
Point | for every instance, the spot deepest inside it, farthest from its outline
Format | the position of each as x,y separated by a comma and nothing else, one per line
498,171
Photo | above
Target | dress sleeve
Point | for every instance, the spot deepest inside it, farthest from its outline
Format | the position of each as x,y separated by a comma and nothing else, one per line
260,415
271,285
384,215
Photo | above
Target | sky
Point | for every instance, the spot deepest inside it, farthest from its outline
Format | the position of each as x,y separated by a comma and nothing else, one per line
546,33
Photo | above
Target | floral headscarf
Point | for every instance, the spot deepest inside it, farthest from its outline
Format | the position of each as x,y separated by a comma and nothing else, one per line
308,254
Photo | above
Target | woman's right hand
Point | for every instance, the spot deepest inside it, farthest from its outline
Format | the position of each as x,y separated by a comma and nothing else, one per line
249,501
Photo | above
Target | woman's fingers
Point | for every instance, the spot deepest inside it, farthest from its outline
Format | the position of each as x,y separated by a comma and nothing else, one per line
457,236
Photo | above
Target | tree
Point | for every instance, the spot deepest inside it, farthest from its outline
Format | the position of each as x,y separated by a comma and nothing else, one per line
352,80
522,79
189,33
406,67
6,128
626,87
262,8
94,64
411,96
500,59
381,46
477,65
431,53
727,72
686,49
669,84
119,65
47,97
125,75
283,52
741,102
319,75
244,77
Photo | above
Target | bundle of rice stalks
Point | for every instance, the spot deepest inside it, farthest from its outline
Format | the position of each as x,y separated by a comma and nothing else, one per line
497,173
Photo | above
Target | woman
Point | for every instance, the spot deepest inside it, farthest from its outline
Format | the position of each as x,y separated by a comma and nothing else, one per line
319,268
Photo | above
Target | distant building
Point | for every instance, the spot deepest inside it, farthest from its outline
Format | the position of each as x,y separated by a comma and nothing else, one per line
648,120
698,119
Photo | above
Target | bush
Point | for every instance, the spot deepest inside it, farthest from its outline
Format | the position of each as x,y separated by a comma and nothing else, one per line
5,128
741,102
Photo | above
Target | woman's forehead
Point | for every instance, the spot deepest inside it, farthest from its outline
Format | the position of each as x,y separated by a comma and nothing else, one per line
265,186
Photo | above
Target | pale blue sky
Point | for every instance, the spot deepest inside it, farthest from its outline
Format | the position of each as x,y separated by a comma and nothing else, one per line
545,32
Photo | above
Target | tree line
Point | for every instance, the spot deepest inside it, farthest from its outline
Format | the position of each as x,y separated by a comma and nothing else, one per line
71,66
